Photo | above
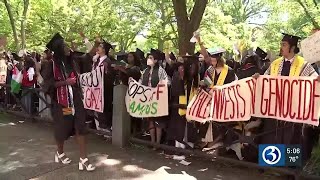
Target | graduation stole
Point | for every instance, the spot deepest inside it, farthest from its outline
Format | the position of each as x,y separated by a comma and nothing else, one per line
183,99
295,68
63,96
222,76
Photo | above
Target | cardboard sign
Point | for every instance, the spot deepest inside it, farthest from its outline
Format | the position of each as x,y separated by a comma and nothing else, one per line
288,98
92,88
310,48
3,71
144,101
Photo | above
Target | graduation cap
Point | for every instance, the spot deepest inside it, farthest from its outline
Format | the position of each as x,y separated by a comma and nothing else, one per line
77,53
216,52
191,59
291,39
106,46
162,55
139,54
56,41
155,53
16,57
121,56
261,53
172,56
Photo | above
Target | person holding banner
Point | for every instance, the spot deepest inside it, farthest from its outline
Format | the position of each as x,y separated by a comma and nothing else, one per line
60,82
217,74
293,65
104,120
151,77
185,83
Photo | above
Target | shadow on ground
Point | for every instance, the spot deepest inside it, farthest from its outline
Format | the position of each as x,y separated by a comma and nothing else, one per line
27,151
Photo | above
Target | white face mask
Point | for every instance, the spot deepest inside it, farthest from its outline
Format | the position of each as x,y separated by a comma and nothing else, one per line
150,62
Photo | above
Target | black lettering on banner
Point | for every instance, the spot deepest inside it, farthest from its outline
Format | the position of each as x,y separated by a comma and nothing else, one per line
95,80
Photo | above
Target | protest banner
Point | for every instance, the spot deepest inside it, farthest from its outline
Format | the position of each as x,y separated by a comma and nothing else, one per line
293,99
310,48
3,71
199,107
144,101
230,102
92,88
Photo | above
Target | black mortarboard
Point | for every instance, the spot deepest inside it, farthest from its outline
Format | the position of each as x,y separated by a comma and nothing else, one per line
291,39
106,46
16,57
140,54
162,55
188,59
155,54
261,53
122,56
77,53
55,42
172,56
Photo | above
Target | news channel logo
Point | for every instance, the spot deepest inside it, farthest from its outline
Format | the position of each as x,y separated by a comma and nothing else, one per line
272,155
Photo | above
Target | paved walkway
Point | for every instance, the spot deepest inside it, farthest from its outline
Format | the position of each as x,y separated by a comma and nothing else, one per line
27,150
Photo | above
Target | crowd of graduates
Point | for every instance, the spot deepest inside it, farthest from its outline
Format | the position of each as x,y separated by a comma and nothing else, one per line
56,70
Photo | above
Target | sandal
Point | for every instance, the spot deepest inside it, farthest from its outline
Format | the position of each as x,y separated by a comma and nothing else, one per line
61,158
84,163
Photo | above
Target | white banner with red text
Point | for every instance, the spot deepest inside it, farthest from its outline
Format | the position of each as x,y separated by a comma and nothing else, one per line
92,89
144,101
292,99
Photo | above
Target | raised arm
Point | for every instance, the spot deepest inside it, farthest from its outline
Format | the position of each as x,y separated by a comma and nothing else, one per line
203,50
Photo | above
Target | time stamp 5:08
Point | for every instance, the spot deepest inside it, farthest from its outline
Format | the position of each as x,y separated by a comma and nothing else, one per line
280,155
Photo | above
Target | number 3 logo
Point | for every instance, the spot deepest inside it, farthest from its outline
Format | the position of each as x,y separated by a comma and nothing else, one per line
271,155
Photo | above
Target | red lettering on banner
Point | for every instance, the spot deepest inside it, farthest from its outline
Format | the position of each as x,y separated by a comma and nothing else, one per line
206,107
227,100
244,102
286,88
279,98
158,90
263,111
271,93
292,115
252,86
87,99
233,103
200,107
197,101
222,102
313,100
299,103
236,94
308,109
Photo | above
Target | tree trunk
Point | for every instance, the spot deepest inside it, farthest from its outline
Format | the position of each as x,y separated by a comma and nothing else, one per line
23,23
186,25
160,44
14,31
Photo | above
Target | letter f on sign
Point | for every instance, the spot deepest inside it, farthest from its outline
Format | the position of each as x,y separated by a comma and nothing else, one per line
158,90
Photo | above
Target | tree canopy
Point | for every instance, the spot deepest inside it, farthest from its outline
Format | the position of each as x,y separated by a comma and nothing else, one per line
235,25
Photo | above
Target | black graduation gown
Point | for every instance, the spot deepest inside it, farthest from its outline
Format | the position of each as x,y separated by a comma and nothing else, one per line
281,132
178,123
105,118
247,71
133,72
64,126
